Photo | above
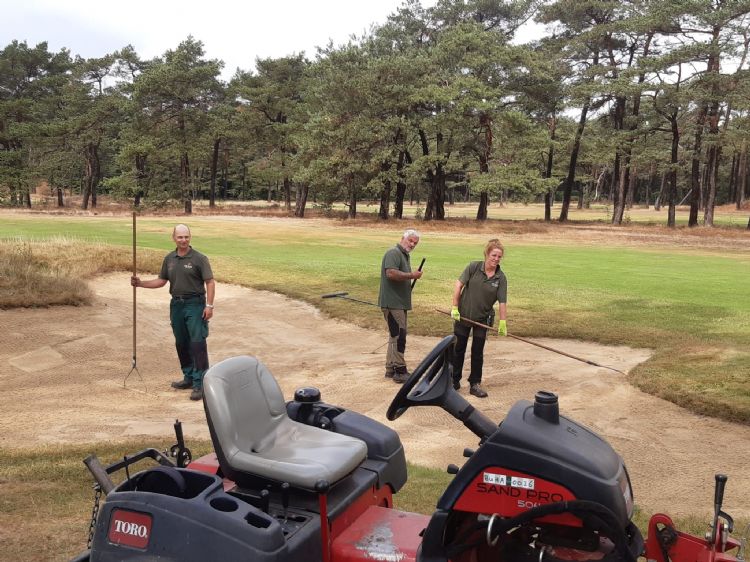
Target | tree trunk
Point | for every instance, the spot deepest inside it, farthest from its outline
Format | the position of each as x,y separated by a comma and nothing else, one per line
92,174
549,195
651,185
741,177
214,166
437,194
573,161
385,201
713,167
695,169
660,197
287,194
302,192
60,202
672,196
600,182
385,195
733,178
632,186
484,196
185,181
435,204
352,203
484,165
140,178
580,195
398,204
484,203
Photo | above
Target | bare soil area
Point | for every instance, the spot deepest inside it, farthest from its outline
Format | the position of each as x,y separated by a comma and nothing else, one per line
62,371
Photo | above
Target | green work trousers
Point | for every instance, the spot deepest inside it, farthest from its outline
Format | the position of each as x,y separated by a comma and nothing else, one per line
190,332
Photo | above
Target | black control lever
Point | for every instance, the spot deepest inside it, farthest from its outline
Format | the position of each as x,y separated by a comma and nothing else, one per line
265,500
285,498
721,481
178,450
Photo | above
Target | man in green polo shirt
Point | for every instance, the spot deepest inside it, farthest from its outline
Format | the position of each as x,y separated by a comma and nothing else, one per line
192,286
395,300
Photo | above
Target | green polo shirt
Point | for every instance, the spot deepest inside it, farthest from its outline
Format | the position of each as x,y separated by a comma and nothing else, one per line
395,294
480,293
186,274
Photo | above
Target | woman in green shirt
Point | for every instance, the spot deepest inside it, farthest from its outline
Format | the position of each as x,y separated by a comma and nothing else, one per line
481,285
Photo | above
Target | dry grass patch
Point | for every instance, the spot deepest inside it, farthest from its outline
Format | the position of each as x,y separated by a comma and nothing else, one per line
54,271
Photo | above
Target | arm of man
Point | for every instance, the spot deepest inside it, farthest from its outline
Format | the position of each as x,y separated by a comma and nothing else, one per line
208,312
398,275
150,284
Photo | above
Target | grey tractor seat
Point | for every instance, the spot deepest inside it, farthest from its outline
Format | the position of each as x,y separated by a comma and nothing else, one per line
253,434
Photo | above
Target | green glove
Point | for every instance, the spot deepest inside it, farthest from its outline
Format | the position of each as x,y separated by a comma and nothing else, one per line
455,314
502,328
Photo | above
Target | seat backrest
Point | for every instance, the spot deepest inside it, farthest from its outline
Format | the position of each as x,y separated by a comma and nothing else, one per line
254,438
245,404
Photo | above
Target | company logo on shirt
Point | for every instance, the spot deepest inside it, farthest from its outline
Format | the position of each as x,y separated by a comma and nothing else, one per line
188,265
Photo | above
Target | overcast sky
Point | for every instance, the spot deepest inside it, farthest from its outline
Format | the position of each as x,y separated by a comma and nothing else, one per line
234,31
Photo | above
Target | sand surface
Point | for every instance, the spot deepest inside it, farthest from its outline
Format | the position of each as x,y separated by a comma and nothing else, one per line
62,371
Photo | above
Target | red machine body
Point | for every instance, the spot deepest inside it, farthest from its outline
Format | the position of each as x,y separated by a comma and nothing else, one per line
539,488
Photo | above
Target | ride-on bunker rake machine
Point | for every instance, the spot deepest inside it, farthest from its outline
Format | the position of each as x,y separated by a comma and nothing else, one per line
307,481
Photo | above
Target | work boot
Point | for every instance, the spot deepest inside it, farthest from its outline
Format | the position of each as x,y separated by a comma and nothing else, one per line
389,373
184,384
456,384
401,375
197,394
477,390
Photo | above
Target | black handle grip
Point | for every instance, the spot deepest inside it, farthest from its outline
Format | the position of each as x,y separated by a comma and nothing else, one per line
178,433
414,281
99,473
265,500
333,295
721,482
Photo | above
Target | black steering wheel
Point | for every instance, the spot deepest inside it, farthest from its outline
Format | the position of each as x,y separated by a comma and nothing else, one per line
430,382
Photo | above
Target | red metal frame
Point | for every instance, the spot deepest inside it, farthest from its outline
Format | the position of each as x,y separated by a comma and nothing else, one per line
687,548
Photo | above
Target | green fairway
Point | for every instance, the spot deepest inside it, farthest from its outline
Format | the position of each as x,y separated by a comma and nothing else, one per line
689,306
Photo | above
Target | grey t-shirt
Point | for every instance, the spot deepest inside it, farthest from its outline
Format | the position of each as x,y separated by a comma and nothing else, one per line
186,274
395,294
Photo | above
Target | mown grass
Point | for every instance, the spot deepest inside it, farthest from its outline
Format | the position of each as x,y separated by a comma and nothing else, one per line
48,494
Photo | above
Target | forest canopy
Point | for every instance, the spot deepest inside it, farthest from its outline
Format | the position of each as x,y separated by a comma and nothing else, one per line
629,102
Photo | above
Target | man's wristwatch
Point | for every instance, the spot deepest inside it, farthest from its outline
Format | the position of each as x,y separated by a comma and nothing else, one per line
209,306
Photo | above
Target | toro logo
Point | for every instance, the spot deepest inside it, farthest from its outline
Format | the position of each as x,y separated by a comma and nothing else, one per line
129,528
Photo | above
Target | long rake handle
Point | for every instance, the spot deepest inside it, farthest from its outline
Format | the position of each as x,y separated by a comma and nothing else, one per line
134,293
519,338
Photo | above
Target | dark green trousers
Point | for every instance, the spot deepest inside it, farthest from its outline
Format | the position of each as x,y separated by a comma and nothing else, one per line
190,333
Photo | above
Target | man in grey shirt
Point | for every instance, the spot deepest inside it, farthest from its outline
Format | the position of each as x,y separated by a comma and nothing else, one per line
395,300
